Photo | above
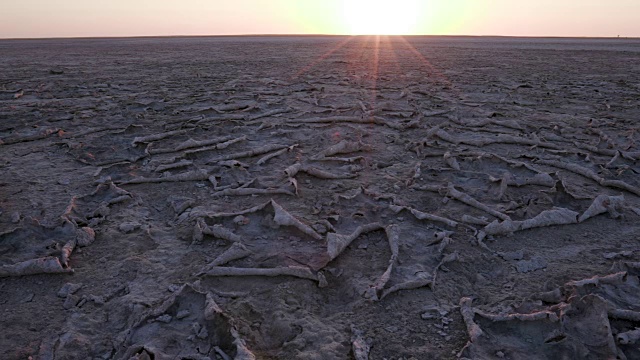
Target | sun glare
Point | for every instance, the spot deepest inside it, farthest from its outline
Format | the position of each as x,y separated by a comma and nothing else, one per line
381,17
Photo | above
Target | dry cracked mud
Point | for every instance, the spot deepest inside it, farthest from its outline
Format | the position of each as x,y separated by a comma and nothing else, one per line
319,198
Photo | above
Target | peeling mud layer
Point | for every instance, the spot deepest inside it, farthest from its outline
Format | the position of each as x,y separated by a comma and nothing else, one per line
320,198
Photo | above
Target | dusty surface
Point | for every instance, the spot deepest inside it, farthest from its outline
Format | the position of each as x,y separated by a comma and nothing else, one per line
470,164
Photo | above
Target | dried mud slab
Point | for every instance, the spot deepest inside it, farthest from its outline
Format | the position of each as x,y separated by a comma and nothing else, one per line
37,249
187,325
589,318
91,209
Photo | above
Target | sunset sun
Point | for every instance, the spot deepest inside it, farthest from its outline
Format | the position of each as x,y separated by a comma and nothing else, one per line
381,17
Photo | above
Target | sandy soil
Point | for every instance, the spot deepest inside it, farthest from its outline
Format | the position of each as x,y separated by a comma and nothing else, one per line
319,198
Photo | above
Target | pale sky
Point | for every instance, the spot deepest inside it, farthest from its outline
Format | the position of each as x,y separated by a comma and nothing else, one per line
82,18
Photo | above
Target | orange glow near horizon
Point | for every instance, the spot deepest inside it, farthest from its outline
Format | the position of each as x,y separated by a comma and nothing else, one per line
80,18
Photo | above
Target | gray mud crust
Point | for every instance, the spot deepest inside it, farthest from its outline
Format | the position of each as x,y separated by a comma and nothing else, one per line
320,198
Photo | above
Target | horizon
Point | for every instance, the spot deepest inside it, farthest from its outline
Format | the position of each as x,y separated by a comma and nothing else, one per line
40,19
318,35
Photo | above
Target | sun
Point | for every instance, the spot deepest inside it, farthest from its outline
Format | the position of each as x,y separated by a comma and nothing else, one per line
381,17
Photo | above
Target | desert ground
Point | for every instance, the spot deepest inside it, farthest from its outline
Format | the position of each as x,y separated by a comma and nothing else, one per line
320,198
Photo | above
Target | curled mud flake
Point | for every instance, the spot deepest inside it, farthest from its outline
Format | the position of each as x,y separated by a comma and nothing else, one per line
299,272
234,252
238,106
156,137
66,251
480,141
343,147
336,243
539,315
597,280
590,174
475,220
375,290
622,314
241,212
540,179
322,174
218,231
420,282
252,191
270,156
468,315
179,164
37,135
249,153
441,235
553,297
180,203
294,183
198,235
556,216
451,161
467,199
349,160
252,119
629,337
195,175
444,244
423,216
615,158
293,170
219,146
614,205
242,351
190,144
282,217
47,265
322,280
449,258
332,119
359,345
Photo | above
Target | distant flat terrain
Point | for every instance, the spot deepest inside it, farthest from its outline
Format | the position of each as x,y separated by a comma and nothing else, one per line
319,197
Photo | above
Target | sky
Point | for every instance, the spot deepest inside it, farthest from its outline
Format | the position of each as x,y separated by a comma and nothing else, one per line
93,18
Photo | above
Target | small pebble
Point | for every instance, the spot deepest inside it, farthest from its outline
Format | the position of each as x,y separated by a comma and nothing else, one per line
203,333
128,227
70,301
15,217
67,289
427,316
183,314
166,318
241,220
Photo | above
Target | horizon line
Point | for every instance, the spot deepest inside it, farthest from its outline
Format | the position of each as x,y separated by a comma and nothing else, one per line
312,35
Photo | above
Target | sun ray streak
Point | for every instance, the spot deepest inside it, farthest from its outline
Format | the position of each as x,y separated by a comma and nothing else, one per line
432,69
322,58
375,71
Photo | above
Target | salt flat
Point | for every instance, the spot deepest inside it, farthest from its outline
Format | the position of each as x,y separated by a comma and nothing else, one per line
319,198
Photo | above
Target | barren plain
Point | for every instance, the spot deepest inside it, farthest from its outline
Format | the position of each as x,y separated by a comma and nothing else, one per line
320,198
